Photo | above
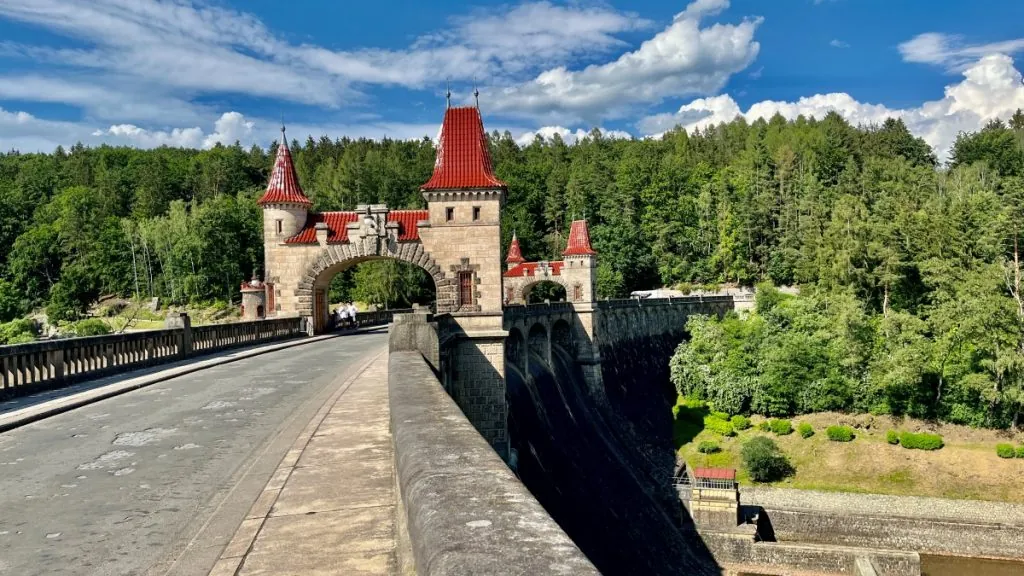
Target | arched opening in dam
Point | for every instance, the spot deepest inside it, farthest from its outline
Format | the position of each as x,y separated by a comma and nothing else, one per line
378,282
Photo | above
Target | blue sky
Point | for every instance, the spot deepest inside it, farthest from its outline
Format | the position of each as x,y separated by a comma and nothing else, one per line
198,72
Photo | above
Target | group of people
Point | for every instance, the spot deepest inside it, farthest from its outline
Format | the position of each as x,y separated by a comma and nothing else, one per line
345,315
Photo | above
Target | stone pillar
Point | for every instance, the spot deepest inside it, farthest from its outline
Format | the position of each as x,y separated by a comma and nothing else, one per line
478,386
182,321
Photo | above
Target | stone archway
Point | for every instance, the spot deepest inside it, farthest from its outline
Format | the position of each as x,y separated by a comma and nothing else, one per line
522,293
336,257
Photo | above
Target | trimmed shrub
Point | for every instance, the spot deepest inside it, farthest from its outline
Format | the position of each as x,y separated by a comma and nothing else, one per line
740,422
781,427
1020,451
90,327
839,433
805,430
18,332
764,461
765,426
1005,450
922,441
720,415
708,447
892,437
718,426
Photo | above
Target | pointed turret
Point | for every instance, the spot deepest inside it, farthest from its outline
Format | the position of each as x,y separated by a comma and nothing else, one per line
284,187
515,255
579,240
463,158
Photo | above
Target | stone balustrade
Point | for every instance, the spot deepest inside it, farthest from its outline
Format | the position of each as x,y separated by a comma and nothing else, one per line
28,368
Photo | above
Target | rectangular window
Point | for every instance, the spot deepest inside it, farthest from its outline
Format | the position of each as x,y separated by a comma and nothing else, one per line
279,227
465,288
577,293
449,214
271,300
476,213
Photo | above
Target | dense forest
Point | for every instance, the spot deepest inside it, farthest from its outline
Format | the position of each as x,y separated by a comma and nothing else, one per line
909,270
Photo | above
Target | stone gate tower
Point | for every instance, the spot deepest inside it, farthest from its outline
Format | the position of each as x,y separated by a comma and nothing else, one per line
456,240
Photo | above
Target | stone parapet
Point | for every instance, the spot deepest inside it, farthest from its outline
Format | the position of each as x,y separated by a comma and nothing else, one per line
464,511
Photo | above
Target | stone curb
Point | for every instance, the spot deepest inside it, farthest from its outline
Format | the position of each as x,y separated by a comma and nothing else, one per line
238,548
56,406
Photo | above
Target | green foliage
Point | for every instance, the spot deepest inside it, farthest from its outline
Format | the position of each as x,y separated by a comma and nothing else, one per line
720,415
781,427
1005,450
805,430
902,267
90,327
892,437
1020,451
765,426
920,441
708,447
839,433
718,426
18,332
740,422
764,461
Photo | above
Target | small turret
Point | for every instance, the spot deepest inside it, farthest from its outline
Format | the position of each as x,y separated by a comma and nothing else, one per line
285,206
580,269
515,255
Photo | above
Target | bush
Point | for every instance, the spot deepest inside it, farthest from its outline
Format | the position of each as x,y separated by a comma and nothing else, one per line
892,437
740,422
90,327
839,433
718,426
720,415
1020,451
708,447
805,430
765,426
1005,450
781,427
18,332
763,460
922,441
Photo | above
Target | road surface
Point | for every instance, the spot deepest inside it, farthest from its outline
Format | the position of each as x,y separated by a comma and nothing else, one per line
155,481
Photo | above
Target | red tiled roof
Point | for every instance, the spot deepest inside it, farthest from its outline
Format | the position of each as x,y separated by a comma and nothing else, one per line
338,232
463,159
530,269
515,255
579,240
284,183
407,220
715,473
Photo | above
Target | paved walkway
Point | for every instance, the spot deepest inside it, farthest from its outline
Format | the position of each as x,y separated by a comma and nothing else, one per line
330,506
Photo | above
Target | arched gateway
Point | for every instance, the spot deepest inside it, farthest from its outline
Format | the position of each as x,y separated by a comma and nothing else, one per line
457,239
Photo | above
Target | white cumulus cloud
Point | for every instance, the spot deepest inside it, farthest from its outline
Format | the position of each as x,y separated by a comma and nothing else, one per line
683,59
991,89
567,135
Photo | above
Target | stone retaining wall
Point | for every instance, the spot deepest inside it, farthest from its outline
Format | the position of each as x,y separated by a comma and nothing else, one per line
464,510
926,525
737,550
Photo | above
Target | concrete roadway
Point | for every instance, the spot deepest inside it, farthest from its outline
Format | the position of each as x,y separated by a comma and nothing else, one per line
156,481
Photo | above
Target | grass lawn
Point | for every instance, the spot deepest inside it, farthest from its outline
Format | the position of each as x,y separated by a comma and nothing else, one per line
966,467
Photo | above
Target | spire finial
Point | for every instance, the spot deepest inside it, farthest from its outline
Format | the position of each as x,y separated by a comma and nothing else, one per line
448,95
476,94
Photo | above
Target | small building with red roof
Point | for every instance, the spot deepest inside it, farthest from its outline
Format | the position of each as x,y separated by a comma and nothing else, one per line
576,272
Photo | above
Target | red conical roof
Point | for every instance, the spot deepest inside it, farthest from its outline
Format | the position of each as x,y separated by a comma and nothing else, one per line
515,255
463,159
579,240
283,187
